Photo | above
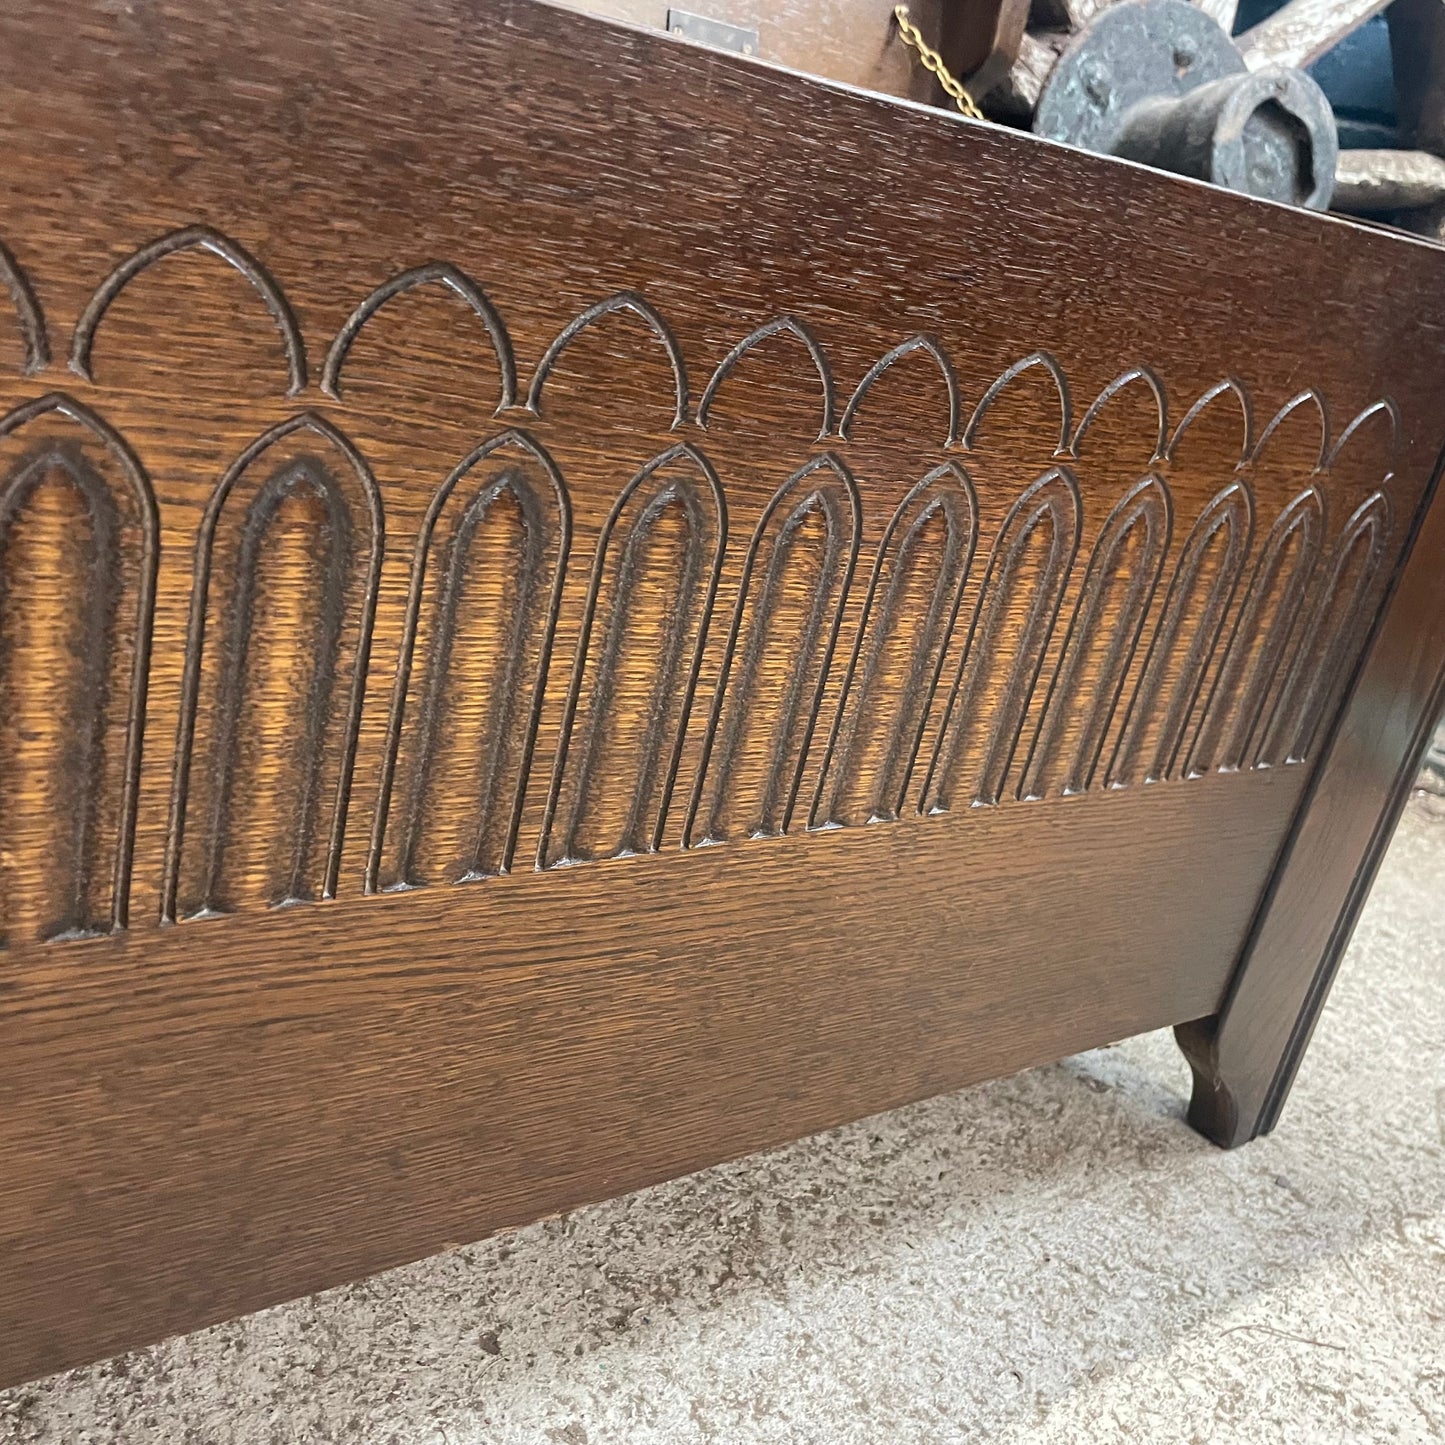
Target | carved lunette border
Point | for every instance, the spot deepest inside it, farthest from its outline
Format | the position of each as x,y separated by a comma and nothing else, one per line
1234,649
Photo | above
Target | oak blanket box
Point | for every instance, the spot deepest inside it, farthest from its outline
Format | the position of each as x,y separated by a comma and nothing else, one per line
573,606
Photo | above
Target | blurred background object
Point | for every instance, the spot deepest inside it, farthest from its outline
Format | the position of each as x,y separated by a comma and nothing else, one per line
1160,81
1321,103
1376,66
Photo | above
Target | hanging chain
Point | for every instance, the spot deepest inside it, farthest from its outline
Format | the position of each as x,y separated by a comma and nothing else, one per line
933,63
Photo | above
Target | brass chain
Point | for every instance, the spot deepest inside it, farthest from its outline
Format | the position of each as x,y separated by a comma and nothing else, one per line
933,63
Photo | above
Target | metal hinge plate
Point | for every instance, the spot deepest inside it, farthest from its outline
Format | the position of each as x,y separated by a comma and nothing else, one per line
717,33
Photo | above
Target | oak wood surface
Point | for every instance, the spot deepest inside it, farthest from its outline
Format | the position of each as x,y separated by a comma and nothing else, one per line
355,1091
1246,1057
572,606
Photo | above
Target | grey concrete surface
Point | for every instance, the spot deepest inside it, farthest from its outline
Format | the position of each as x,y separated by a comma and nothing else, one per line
1051,1258
1432,769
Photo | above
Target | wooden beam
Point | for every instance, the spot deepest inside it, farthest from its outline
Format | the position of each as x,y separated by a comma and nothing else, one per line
1222,11
1303,30
1367,181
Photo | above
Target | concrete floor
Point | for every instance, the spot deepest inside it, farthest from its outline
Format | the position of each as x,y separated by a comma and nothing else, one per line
1054,1257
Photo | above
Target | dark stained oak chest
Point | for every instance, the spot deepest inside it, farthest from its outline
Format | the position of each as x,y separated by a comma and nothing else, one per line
572,607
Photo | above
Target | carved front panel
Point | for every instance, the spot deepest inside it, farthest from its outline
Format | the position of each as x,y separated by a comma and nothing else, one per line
461,607
573,606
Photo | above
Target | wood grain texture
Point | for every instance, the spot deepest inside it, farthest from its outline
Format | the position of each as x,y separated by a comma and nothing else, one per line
361,1085
499,563
1245,1058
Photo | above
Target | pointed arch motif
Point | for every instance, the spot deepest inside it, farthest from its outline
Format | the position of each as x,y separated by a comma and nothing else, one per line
1045,362
340,523
29,315
439,273
1343,612
1230,386
192,238
1078,704
496,745
1186,639
1384,407
634,674
779,326
908,616
1305,400
998,670
620,301
1259,649
1123,380
928,346
102,722
808,531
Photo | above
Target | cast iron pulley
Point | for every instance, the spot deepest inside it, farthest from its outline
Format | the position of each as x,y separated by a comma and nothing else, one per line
1159,81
